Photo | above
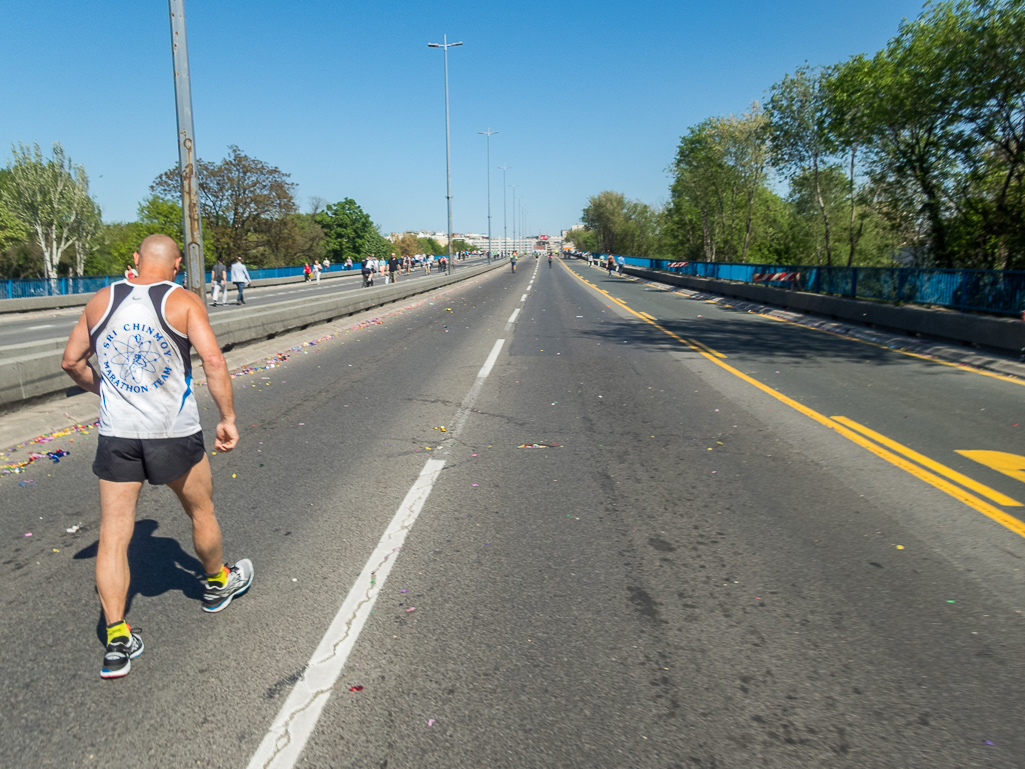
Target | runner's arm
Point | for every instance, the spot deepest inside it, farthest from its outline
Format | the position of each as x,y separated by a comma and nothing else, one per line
218,379
79,348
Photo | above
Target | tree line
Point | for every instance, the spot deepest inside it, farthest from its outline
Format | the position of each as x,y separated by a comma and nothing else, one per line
912,156
51,226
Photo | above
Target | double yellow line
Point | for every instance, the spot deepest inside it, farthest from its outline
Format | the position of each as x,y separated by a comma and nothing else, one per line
935,474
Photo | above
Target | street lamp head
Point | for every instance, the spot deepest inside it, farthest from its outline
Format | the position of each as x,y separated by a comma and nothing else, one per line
433,45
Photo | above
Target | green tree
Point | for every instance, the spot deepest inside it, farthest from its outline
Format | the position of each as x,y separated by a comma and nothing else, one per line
719,171
431,246
407,244
621,226
350,232
12,229
239,198
165,217
51,197
582,239
800,136
942,108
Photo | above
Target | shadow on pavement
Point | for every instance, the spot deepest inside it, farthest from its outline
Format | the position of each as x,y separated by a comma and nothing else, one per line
158,565
748,339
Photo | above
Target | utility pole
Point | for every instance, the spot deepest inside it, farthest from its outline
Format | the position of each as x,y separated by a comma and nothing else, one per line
514,186
505,231
489,133
448,146
192,222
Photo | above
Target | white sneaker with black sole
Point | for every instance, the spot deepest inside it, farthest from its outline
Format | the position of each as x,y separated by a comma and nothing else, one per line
117,662
240,577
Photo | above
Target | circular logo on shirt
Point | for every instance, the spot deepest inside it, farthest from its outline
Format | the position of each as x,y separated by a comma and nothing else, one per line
137,357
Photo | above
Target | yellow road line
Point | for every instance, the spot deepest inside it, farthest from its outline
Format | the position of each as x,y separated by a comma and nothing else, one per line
980,505
936,467
961,366
706,348
649,317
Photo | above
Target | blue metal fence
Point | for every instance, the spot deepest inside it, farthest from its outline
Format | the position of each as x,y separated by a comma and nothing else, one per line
25,287
994,291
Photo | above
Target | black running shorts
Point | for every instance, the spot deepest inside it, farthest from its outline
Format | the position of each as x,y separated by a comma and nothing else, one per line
157,460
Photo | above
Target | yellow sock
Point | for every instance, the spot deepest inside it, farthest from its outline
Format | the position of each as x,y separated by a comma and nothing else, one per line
118,630
219,578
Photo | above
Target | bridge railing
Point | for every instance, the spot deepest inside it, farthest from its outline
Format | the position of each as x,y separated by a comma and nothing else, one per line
19,288
994,291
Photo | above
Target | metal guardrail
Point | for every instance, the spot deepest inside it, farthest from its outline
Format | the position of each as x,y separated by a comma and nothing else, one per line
20,288
995,291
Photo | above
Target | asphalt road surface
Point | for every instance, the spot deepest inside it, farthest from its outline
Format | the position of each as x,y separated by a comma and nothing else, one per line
741,543
47,324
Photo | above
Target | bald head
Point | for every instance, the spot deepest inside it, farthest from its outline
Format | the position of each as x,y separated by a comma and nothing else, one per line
157,259
159,249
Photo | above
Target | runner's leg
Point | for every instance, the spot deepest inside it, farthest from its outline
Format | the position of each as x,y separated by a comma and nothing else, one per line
117,521
195,491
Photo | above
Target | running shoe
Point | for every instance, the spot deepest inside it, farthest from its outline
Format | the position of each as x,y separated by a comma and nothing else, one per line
240,577
117,662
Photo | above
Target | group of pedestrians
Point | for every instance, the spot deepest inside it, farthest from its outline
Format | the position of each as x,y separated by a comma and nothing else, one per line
313,272
220,276
608,262
396,265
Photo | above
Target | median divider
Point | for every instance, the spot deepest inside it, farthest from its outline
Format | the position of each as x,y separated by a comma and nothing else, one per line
62,301
31,371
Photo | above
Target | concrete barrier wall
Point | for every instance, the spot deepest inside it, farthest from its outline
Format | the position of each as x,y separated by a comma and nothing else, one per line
37,372
1003,334
29,303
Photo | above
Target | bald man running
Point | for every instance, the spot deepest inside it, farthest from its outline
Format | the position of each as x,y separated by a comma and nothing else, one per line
142,331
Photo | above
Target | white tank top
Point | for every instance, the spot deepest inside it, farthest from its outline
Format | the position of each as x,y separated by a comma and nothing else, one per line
145,366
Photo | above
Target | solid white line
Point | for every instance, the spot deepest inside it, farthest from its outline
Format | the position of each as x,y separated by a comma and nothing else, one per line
523,298
284,742
512,318
36,328
492,357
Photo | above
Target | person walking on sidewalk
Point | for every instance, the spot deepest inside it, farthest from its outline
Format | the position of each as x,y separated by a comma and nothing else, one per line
142,331
240,277
393,268
218,282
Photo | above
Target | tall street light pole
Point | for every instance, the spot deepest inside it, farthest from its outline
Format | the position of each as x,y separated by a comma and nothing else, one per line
514,186
489,133
193,229
448,146
505,231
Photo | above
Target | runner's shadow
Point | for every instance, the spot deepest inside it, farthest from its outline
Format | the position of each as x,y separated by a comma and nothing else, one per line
158,565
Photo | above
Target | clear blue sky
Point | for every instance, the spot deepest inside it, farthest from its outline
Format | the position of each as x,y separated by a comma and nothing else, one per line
348,98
